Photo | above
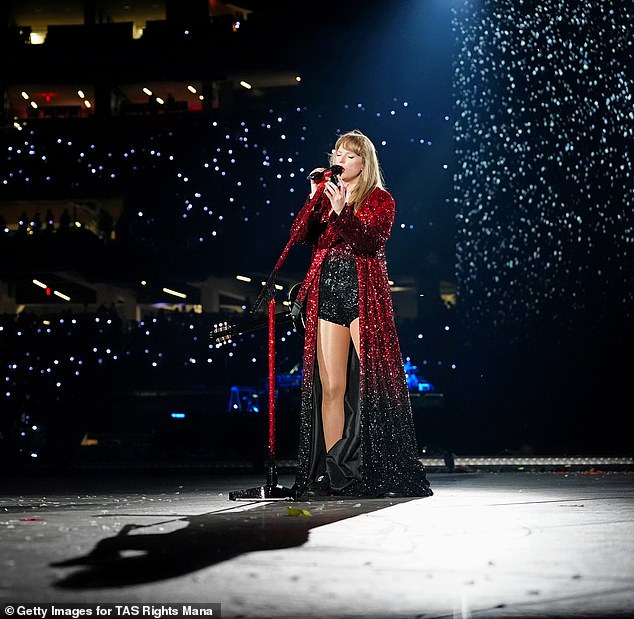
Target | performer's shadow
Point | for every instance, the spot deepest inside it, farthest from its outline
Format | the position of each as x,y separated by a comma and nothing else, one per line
132,557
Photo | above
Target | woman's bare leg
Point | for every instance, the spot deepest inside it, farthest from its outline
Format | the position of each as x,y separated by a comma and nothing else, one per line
354,334
333,344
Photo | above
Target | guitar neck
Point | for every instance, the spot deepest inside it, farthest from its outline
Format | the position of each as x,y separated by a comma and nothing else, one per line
224,333
254,323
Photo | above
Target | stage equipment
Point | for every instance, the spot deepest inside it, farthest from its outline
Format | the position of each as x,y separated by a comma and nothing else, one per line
243,400
328,174
271,490
225,332
529,463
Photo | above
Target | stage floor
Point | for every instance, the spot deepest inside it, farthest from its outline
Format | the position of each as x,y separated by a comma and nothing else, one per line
487,544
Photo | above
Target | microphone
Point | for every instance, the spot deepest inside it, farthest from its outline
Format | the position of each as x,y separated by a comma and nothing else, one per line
334,170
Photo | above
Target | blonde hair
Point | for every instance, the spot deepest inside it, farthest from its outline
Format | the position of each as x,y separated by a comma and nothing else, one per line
371,174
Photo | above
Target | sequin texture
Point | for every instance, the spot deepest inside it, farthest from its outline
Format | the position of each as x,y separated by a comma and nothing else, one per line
339,291
386,455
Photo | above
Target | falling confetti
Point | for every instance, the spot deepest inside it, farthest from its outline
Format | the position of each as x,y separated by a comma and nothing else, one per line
543,185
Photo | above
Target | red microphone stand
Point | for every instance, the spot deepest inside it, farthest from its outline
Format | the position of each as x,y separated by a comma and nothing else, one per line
271,490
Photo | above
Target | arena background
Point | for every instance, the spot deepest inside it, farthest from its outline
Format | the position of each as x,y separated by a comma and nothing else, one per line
504,131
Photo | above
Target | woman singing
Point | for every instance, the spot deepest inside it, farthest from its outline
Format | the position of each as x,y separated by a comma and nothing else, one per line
356,428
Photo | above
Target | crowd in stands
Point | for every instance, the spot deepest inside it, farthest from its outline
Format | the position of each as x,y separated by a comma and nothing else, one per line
57,366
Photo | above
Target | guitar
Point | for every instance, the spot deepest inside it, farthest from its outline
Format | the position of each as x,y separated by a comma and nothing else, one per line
225,333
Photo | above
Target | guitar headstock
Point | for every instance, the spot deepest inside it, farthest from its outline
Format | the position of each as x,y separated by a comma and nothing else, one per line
223,333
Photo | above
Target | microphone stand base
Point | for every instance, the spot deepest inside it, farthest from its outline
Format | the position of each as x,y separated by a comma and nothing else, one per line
263,493
270,491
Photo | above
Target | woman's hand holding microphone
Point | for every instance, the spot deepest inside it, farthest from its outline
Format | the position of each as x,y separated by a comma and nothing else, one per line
336,193
333,187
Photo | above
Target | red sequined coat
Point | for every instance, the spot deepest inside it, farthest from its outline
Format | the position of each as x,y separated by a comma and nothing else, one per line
378,453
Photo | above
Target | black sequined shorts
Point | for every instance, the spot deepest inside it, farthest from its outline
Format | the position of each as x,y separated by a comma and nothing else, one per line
339,291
